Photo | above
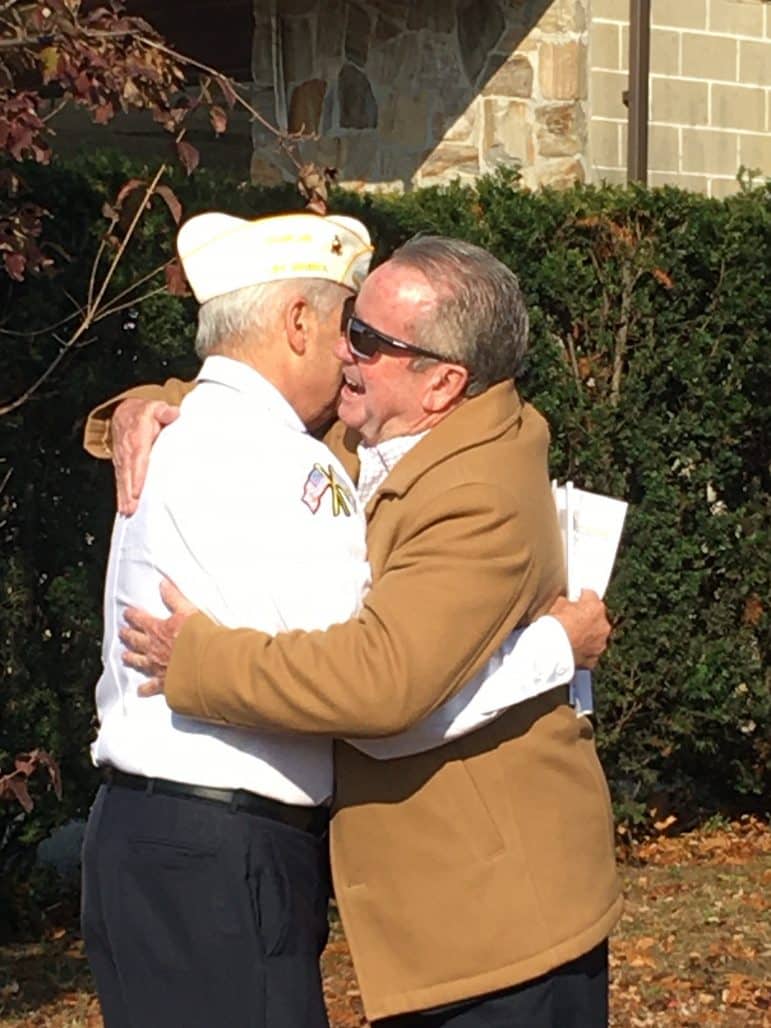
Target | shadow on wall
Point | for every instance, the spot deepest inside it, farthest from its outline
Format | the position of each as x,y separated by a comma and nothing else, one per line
390,85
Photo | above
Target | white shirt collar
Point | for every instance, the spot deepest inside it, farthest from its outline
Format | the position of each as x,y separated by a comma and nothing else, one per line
246,380
377,462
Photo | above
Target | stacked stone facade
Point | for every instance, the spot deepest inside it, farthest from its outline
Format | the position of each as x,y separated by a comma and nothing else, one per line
710,91
417,92
406,92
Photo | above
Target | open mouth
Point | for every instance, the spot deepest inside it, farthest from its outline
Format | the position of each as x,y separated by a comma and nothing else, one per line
351,385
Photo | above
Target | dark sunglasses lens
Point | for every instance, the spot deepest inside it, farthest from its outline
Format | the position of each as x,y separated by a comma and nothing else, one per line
364,342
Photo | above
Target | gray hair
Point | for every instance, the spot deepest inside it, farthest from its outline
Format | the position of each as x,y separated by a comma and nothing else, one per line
253,309
480,319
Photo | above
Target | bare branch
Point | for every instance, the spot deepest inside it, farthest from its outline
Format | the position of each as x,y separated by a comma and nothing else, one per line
133,302
134,42
621,337
14,42
97,261
135,285
7,408
48,330
94,303
55,110
286,140
571,351
122,246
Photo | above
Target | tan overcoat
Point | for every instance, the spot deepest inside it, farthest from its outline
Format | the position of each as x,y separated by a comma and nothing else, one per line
488,861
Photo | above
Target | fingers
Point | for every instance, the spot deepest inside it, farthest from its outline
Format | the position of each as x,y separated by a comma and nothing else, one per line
153,687
586,624
165,414
137,654
590,603
127,503
140,620
136,641
136,425
146,648
175,600
139,661
594,608
143,429
138,468
149,640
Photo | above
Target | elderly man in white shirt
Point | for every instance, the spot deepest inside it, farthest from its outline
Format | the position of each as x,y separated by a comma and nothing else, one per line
205,885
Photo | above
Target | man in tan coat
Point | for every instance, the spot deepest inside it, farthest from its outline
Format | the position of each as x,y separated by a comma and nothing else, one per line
475,881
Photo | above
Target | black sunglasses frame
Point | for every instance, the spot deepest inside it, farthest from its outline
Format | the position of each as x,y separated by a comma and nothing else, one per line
366,342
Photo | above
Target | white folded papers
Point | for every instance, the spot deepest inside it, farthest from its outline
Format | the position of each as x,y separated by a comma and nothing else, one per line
591,526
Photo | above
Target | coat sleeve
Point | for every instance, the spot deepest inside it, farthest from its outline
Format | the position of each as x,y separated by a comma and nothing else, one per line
453,587
96,436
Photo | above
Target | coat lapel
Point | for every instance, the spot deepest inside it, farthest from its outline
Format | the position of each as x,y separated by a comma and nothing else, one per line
476,421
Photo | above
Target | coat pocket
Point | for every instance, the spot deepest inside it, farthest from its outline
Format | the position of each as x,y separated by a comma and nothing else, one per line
441,823
475,812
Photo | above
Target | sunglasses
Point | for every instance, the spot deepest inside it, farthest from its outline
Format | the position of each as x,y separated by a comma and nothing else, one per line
366,342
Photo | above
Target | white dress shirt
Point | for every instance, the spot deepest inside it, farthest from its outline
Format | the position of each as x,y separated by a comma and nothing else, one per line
238,511
259,526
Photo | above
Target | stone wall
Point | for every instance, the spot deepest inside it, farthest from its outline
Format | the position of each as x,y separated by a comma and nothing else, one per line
406,92
710,95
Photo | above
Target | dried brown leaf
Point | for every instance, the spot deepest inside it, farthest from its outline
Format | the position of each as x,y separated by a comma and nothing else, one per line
176,283
16,787
218,118
226,88
15,265
663,278
169,197
188,156
753,610
127,189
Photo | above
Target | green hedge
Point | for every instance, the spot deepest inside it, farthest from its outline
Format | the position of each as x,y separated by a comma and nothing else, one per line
650,357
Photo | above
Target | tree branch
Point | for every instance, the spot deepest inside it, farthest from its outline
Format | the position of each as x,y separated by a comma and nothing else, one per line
135,285
284,139
92,310
7,408
48,330
133,302
122,247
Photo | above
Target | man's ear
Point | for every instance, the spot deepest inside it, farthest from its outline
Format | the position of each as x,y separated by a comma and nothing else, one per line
446,384
299,323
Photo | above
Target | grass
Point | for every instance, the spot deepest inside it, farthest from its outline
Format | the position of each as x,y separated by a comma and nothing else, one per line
693,947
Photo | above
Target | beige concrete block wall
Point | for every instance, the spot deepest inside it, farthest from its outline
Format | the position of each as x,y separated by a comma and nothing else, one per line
710,91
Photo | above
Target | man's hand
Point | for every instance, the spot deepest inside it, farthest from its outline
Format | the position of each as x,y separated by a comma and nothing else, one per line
150,640
586,624
136,424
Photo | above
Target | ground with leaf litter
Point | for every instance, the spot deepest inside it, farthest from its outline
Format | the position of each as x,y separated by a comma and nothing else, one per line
693,947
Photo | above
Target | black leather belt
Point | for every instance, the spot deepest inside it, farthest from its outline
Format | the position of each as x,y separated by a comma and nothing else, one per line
307,819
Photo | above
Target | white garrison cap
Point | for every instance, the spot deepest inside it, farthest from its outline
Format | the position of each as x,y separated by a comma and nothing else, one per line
220,253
